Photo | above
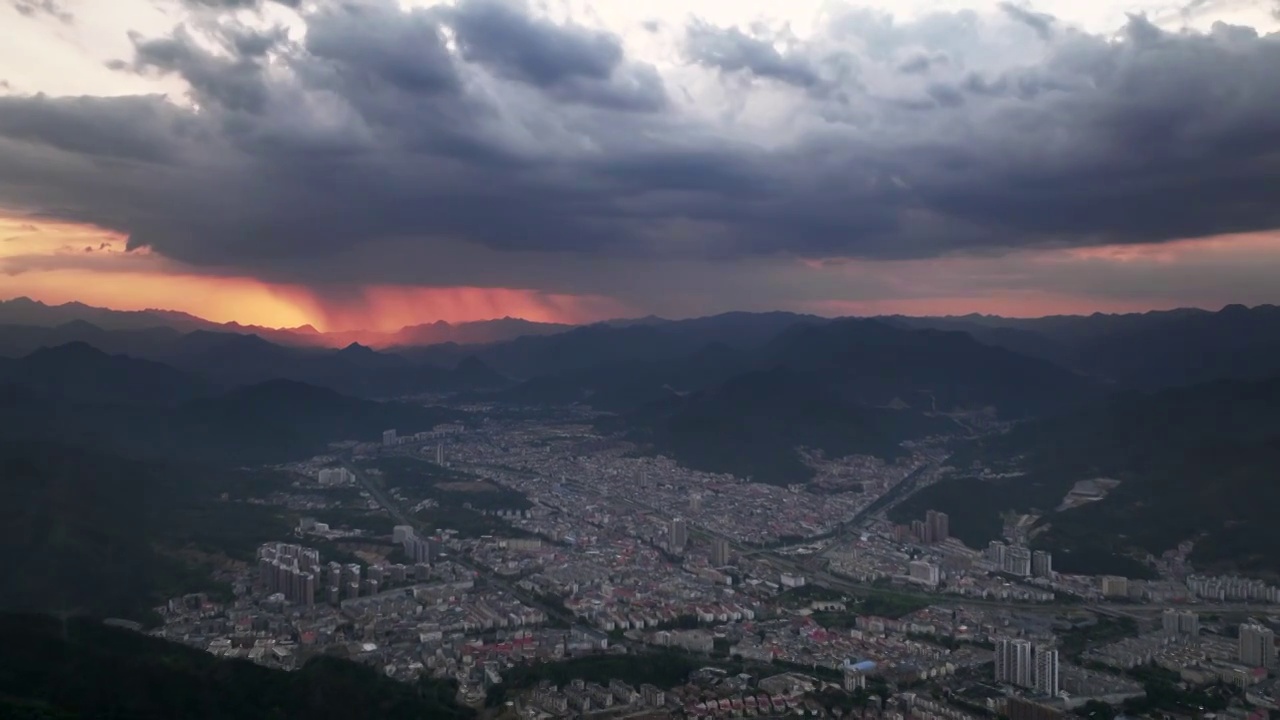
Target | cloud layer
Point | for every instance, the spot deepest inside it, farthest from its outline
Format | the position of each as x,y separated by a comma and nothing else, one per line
367,143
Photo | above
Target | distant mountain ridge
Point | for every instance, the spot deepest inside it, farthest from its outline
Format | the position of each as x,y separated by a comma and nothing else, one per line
23,311
80,372
1151,350
268,422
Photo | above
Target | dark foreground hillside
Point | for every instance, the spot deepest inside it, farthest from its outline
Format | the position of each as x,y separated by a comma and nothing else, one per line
81,669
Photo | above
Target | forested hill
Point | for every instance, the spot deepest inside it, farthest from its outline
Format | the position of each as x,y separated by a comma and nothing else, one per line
51,670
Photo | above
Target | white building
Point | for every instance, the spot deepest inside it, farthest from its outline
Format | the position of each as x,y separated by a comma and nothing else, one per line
1046,680
924,573
1014,662
1017,561
335,476
1257,646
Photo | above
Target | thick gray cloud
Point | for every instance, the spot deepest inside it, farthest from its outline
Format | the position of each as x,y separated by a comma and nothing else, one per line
572,63
732,50
485,126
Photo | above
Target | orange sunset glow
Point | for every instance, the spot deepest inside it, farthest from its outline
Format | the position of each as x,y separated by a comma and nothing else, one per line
63,262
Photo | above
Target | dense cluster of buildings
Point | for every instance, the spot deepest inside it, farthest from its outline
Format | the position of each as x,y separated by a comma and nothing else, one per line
1232,588
641,553
290,570
1019,560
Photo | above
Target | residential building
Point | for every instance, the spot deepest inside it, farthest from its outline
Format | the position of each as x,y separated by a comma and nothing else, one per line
1017,561
937,526
1115,587
1046,679
1257,646
1014,662
719,552
1041,564
924,573
678,536
1177,623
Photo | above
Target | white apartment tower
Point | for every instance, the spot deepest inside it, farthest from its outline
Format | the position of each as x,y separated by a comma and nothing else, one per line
1014,662
1257,646
1046,671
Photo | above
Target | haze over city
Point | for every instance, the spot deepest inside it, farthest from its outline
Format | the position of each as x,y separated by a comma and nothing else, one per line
375,164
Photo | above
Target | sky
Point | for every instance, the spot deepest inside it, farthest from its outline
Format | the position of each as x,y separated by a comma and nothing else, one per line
376,163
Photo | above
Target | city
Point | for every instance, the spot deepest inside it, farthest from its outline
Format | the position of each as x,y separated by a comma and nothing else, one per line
474,552
564,359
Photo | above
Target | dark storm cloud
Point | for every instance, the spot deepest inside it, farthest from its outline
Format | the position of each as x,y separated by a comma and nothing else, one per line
484,126
232,84
503,36
36,8
570,62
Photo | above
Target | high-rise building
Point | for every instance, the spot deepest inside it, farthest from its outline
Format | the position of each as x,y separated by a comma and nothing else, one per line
1189,624
995,553
401,533
678,535
389,437
1257,646
440,454
1042,564
919,530
289,570
1180,623
1014,663
1046,679
719,552
937,526
1017,561
695,503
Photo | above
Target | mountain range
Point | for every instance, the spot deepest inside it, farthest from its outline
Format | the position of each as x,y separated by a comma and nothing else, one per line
1182,407
738,392
144,409
23,311
1149,350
